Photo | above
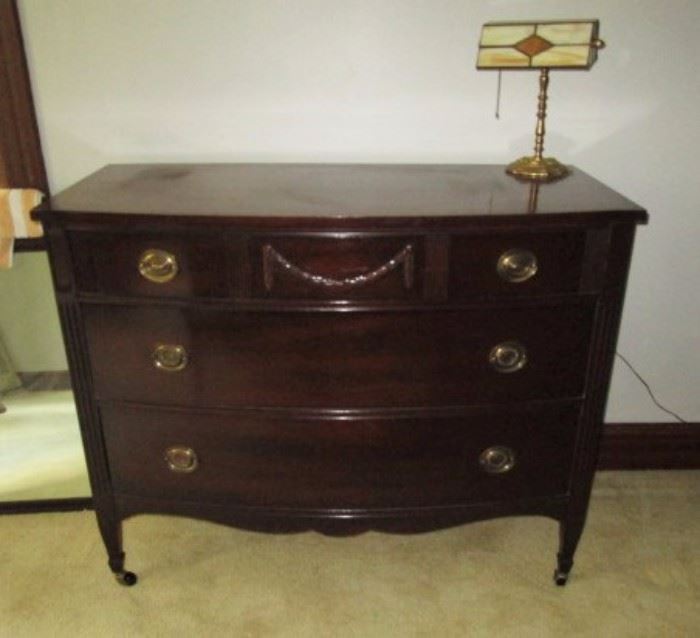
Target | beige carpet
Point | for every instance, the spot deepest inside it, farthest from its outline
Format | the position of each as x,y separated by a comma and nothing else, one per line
637,574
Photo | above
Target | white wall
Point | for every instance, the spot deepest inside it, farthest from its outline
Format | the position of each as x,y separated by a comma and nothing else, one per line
394,80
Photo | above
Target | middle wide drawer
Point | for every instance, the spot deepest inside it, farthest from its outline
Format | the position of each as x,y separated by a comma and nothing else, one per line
200,357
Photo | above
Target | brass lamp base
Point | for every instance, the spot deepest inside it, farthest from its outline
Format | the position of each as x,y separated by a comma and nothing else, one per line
537,169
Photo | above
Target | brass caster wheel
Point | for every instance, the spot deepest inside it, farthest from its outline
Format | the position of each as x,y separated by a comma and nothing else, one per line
128,579
560,578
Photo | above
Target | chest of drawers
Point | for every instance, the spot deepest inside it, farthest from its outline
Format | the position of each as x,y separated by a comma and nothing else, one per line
339,347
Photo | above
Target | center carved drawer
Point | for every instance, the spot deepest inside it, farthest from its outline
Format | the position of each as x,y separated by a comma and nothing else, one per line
345,267
198,357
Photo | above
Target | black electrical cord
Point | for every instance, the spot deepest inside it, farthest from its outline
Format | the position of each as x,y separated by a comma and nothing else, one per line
648,388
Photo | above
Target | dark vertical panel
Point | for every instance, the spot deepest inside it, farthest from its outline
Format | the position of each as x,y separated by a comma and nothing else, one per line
21,160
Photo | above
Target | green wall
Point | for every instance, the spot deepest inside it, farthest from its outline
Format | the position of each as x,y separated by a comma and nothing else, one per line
29,325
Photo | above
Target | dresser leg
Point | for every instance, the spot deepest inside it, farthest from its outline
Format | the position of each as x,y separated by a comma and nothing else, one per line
569,535
116,564
111,531
561,573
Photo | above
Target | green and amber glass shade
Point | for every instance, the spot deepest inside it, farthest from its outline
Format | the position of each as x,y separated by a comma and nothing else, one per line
566,45
538,45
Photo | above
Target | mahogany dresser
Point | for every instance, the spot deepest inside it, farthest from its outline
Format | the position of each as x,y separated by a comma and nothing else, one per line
339,347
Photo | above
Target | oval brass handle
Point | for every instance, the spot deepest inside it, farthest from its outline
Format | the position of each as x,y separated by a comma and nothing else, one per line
181,459
158,266
497,459
517,265
509,356
169,357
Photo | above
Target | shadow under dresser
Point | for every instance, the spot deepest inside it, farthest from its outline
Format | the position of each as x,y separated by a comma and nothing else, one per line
339,347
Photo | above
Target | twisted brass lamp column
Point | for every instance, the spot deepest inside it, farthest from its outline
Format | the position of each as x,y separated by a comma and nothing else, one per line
536,167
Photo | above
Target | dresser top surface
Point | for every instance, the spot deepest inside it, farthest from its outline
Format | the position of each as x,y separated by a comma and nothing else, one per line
333,191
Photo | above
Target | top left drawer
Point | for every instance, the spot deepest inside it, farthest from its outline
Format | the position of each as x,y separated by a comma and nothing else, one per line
151,265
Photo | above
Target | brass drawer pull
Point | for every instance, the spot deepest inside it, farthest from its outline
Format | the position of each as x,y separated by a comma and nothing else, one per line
517,265
509,356
158,266
170,358
497,459
181,459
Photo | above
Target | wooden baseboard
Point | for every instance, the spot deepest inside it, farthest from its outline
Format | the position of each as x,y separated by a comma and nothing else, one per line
650,446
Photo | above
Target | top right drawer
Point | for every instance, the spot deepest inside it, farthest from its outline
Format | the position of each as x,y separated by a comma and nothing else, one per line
518,264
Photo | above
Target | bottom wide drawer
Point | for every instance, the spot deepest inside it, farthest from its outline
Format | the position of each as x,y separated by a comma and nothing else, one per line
269,460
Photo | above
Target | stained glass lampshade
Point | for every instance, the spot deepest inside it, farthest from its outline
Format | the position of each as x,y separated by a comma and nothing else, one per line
571,44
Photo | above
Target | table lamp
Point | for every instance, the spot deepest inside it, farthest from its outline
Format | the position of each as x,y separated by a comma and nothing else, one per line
571,44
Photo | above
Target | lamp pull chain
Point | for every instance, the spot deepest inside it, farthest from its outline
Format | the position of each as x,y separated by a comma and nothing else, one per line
498,96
